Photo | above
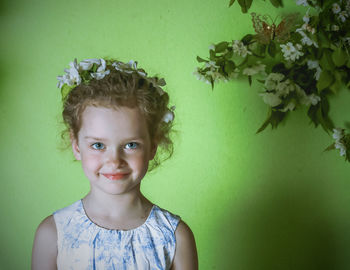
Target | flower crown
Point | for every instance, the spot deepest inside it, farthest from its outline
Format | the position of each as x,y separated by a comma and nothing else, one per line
89,69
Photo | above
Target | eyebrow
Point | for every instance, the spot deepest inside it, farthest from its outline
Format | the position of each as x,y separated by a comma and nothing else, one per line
102,139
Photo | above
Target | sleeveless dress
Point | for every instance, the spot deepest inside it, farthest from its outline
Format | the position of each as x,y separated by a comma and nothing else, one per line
83,245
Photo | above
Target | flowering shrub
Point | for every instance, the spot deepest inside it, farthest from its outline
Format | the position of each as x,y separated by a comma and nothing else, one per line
300,62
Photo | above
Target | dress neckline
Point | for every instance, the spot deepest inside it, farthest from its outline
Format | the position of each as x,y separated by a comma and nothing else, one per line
120,230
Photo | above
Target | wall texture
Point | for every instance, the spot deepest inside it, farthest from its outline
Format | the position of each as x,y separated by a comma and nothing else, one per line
267,201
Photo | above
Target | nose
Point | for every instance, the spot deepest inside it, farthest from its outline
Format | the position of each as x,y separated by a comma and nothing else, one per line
115,158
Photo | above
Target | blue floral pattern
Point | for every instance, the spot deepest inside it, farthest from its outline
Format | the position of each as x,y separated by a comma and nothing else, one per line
83,245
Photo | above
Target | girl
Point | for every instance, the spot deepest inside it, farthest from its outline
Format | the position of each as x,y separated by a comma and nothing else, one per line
116,117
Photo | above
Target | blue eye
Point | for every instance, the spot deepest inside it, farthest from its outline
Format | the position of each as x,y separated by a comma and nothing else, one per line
132,145
98,146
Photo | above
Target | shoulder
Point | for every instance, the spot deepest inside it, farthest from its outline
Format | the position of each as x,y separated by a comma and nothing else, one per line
186,251
44,252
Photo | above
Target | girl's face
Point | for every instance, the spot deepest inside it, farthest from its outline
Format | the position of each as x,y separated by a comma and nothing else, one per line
114,148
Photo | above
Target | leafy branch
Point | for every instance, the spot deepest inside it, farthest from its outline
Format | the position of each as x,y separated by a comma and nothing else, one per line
300,62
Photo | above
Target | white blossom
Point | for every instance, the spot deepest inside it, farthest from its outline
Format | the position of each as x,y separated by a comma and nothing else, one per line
343,15
72,77
336,8
169,115
291,52
129,67
271,99
88,63
63,80
339,145
306,17
305,39
212,47
285,87
314,99
101,71
338,133
302,2
335,27
239,48
272,80
314,65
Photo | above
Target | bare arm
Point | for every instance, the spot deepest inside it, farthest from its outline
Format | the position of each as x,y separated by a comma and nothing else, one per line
186,252
44,253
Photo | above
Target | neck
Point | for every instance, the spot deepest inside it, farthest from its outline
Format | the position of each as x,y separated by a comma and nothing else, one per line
115,206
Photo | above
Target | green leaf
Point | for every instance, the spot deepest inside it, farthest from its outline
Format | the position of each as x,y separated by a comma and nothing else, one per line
229,67
231,2
65,90
222,46
325,110
323,39
331,147
274,118
212,83
339,57
325,80
247,38
212,55
245,5
326,61
201,59
312,114
276,3
271,49
335,86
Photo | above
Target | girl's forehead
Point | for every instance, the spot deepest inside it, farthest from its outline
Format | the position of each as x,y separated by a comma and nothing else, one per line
102,121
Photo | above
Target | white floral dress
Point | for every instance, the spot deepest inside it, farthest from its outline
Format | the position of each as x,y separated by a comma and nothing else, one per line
83,245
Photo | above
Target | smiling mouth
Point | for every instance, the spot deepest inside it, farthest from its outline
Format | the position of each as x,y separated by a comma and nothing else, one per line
117,176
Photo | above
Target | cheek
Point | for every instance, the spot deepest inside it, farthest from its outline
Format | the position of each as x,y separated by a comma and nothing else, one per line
91,162
139,161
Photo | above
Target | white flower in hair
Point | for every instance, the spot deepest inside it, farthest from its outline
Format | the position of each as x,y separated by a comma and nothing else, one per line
88,63
101,71
169,115
72,77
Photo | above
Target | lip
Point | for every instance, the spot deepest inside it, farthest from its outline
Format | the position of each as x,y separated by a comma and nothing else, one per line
116,176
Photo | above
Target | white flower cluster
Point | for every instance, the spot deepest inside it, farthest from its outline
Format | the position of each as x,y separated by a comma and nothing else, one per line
306,27
342,14
291,52
278,88
239,48
212,73
338,136
73,76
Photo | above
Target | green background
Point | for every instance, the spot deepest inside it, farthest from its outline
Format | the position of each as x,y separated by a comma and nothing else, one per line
269,201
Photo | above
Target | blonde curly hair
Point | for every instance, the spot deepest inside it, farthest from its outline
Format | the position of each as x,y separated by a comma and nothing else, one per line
117,89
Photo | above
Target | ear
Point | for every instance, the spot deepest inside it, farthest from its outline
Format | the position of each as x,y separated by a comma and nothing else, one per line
75,146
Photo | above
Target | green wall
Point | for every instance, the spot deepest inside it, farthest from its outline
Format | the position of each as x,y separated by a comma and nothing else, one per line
267,201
